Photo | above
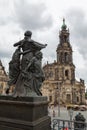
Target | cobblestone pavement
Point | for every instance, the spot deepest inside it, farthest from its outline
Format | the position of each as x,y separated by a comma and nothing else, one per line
64,113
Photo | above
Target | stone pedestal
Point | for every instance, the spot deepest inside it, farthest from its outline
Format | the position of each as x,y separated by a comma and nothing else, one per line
24,113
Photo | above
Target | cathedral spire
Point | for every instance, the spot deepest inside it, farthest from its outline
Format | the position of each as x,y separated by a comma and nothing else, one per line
64,34
64,49
64,26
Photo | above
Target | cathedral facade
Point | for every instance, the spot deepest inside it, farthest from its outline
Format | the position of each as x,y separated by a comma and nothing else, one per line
60,83
3,79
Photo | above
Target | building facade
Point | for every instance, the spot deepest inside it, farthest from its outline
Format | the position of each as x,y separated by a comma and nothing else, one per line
60,83
3,79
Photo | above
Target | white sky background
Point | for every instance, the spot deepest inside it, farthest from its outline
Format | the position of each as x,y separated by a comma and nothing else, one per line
44,19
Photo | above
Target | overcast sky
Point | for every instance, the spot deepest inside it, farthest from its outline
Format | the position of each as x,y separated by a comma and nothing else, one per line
44,19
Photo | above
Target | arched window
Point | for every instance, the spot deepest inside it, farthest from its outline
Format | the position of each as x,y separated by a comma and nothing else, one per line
56,73
66,57
50,98
61,56
77,99
67,74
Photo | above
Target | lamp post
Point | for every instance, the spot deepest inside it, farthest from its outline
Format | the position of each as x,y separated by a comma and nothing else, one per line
71,115
58,88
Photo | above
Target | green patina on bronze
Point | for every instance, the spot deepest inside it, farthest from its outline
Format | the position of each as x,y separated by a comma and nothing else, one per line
64,26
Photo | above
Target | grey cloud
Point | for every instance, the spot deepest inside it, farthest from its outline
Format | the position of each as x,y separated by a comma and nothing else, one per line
78,28
78,22
4,54
5,12
32,16
3,20
81,73
6,20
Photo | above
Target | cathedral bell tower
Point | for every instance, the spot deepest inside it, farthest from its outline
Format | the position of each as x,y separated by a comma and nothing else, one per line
60,79
64,55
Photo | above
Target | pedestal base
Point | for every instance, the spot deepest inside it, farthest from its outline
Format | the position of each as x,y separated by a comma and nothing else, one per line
25,113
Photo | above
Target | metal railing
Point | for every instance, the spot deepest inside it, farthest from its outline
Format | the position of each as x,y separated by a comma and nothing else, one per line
58,124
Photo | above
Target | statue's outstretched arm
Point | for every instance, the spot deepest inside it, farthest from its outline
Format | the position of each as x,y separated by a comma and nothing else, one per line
39,45
18,43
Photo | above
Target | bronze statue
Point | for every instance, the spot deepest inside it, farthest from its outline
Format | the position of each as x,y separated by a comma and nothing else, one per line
14,67
25,70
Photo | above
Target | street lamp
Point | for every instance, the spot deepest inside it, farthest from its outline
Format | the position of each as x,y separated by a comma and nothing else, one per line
58,88
71,115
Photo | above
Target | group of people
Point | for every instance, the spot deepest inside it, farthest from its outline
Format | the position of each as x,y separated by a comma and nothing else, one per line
25,69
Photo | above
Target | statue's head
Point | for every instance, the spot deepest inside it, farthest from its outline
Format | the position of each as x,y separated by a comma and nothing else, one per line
28,34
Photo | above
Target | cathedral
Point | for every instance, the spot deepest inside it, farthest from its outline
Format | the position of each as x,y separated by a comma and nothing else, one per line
3,79
60,84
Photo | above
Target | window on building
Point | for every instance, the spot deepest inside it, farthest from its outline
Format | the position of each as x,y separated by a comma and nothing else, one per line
50,98
66,57
61,56
51,74
77,99
68,97
65,38
67,74
56,73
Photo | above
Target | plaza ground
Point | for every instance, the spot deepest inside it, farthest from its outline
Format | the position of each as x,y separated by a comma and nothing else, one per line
64,113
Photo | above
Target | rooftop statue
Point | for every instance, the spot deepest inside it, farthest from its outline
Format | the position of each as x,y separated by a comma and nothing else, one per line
25,70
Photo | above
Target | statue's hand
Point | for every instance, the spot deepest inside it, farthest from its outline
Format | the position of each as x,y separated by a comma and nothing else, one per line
45,44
